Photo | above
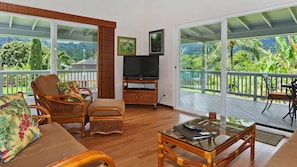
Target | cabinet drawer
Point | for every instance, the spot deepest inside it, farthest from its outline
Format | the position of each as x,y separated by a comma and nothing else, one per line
148,98
131,98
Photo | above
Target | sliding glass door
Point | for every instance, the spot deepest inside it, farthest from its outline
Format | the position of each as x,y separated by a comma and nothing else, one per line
200,69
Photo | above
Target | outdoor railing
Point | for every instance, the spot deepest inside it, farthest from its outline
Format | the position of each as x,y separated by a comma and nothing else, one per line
19,81
250,85
246,84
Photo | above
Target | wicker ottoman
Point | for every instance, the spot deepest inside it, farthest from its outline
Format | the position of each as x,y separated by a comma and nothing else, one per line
106,116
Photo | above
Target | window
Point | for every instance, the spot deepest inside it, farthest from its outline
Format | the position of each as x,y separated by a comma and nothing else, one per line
105,39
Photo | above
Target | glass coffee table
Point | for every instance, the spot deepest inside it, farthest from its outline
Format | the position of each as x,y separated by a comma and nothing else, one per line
206,138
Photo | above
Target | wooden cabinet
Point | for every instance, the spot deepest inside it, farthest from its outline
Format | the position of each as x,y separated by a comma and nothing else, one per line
140,92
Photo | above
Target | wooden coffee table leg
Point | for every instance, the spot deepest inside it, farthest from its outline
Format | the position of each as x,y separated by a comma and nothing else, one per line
160,151
253,134
209,156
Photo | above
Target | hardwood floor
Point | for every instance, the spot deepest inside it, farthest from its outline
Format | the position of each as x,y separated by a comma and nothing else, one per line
137,146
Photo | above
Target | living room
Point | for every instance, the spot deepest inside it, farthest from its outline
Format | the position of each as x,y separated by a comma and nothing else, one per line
137,18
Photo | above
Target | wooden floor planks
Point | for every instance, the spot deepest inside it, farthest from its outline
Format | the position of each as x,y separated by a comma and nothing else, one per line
137,146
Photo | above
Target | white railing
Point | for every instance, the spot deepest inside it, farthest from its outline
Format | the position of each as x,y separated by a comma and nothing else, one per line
244,84
19,81
250,85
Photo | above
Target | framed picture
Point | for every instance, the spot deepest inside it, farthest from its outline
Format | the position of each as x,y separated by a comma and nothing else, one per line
156,42
126,46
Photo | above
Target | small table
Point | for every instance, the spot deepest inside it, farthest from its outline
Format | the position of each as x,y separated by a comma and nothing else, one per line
227,134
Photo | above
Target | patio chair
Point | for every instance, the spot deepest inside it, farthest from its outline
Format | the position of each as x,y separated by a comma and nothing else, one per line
67,109
272,94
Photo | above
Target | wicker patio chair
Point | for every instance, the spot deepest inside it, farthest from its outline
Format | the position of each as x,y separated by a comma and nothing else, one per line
71,115
272,94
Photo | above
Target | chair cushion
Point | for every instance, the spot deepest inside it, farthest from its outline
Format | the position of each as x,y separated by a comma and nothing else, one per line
47,84
69,87
17,127
279,95
100,104
54,145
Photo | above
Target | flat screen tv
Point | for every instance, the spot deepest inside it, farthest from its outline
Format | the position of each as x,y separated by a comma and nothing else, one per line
141,67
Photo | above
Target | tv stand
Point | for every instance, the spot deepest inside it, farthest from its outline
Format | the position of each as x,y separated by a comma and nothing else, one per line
140,94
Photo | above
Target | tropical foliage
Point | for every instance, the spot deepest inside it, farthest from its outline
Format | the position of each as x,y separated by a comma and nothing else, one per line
14,54
243,55
35,55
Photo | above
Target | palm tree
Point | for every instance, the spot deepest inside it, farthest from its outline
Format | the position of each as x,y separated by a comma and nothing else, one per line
252,46
294,46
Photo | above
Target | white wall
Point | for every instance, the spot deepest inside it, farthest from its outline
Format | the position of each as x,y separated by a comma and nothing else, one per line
135,18
171,14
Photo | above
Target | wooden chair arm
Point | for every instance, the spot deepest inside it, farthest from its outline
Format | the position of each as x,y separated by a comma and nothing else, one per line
84,158
59,99
44,115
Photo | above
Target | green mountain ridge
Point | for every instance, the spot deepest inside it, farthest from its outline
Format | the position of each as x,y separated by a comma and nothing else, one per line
74,50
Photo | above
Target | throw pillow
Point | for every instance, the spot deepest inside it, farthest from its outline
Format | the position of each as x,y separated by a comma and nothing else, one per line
17,127
69,87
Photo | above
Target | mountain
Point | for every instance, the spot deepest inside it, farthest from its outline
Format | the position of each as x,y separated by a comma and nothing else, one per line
268,43
76,50
196,48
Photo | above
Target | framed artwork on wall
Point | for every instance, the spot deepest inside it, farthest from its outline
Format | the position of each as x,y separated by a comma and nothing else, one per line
156,42
126,46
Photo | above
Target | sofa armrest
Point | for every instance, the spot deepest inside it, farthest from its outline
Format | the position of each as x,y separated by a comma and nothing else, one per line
84,158
43,114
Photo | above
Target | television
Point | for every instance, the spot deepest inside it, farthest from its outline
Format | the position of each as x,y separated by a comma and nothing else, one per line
141,67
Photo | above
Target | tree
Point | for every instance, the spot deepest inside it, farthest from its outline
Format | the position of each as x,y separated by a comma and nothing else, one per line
292,41
197,63
64,60
284,61
14,54
250,45
186,61
244,62
46,58
35,59
213,51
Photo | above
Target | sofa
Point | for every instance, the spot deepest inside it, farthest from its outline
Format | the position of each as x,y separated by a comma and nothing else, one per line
286,154
47,143
55,145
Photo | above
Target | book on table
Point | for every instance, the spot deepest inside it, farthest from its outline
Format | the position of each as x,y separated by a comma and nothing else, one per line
192,134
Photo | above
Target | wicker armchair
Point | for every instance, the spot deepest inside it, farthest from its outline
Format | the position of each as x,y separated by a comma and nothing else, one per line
71,115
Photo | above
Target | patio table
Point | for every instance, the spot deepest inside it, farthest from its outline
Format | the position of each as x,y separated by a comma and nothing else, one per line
291,88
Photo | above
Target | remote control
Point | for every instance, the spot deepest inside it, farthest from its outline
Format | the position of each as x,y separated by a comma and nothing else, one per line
205,133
